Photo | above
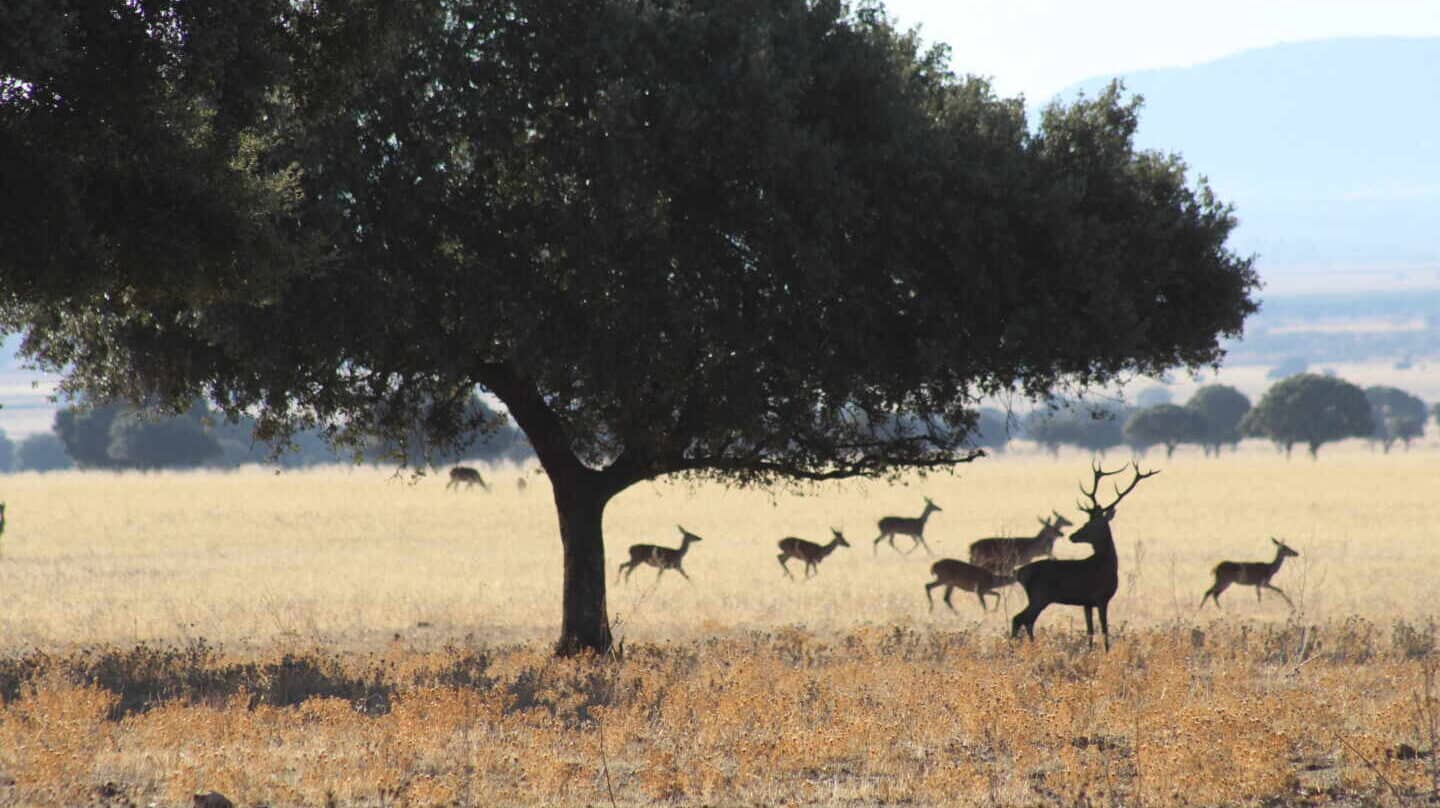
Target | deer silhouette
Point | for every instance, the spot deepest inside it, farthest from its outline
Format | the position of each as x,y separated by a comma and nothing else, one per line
662,557
809,552
914,527
1003,555
953,574
1087,582
1250,573
468,476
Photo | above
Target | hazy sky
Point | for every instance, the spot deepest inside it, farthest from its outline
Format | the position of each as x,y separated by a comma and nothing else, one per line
1037,47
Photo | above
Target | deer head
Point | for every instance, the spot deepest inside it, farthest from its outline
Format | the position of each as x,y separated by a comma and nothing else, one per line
1285,551
840,538
686,536
932,506
1097,527
1060,521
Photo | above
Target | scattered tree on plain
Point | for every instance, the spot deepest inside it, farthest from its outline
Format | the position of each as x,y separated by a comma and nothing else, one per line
1095,428
42,452
1167,425
1311,409
1398,415
1223,408
671,239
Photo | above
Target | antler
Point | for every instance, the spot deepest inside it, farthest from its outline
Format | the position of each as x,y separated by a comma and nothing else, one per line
1101,474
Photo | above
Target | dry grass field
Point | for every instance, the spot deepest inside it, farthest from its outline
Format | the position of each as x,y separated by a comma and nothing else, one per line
350,637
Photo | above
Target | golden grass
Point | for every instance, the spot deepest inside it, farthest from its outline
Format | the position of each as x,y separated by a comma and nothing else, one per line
349,558
741,687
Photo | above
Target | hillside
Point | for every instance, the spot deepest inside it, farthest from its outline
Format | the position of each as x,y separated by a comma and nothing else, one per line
1327,149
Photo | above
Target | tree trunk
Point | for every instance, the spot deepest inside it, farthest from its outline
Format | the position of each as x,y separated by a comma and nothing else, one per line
585,616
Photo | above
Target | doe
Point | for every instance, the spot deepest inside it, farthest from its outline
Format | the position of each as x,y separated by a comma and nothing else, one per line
953,575
470,477
662,557
914,527
809,552
1250,573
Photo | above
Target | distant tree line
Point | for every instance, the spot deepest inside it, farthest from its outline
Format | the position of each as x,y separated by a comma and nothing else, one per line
112,436
1305,409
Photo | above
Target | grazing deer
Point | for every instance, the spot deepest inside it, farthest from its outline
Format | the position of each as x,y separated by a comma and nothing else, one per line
906,526
470,477
1004,555
1250,573
953,575
662,557
809,552
1088,582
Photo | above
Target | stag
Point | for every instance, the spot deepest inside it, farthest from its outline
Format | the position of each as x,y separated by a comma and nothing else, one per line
953,575
470,477
662,557
1088,582
914,527
1250,573
809,552
1003,555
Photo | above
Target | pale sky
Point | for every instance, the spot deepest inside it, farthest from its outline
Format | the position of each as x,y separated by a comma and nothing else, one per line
1038,47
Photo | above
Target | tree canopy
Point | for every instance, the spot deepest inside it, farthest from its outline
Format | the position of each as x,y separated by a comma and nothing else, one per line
672,237
1311,409
1168,425
1093,427
1398,415
1223,408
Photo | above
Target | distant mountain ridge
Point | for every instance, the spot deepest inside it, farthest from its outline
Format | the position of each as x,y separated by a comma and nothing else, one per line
1330,150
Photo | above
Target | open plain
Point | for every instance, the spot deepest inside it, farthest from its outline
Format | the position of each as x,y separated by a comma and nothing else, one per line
357,637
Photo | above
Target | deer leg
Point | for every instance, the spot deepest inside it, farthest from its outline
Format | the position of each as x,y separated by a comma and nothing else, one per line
980,593
783,558
681,570
1277,590
930,598
1025,619
875,546
1214,592
1089,625
628,567
920,542
1105,624
1258,587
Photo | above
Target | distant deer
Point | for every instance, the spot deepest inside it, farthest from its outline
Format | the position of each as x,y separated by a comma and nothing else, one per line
953,575
1250,573
2,519
1088,582
809,552
470,477
521,485
662,557
906,526
1004,555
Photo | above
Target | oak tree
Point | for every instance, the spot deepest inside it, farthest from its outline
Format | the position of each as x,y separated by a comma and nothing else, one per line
674,237
1312,409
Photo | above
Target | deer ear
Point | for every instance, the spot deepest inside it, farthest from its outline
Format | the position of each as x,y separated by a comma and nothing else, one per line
1109,513
1277,541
